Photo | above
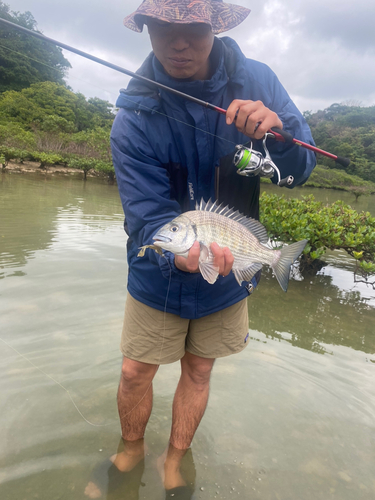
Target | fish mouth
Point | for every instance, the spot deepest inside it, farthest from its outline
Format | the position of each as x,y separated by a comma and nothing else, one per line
161,239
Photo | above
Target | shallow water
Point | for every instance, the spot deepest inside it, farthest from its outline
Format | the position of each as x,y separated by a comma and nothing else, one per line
290,417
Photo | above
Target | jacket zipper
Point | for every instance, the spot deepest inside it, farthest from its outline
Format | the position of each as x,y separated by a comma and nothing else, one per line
217,176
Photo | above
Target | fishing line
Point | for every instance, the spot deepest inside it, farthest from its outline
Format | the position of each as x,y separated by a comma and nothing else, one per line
67,391
162,342
55,69
31,58
126,98
180,121
56,382
170,269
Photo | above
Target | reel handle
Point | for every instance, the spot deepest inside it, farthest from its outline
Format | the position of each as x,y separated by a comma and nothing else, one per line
288,181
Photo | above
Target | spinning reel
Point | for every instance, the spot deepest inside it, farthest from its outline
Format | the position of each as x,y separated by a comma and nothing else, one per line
250,163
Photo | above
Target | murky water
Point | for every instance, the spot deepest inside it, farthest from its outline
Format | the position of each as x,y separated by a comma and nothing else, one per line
291,417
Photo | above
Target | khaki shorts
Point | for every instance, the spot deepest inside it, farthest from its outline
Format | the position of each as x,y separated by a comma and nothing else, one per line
155,337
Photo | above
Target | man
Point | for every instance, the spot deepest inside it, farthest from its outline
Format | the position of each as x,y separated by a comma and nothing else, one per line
168,154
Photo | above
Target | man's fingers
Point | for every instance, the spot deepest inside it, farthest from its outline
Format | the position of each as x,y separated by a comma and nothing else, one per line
243,110
192,261
223,259
228,259
219,261
233,111
190,264
252,118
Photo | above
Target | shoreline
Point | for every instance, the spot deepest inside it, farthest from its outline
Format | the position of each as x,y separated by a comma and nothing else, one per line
30,167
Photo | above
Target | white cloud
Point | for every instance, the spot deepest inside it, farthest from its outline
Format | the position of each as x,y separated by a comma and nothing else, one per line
322,51
94,80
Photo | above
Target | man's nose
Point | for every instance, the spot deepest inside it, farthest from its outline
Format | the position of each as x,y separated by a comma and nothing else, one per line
179,42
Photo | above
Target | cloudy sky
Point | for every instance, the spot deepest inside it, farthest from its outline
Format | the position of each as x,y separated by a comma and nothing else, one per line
323,51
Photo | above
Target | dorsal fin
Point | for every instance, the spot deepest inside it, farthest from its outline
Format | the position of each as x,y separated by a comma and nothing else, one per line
254,226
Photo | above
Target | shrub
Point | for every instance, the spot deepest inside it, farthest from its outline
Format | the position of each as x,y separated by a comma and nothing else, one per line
85,164
332,227
7,154
107,169
46,159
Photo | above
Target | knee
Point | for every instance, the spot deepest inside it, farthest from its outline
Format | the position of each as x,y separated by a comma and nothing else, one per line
135,373
199,372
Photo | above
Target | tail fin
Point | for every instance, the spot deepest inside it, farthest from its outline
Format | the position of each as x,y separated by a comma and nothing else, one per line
288,255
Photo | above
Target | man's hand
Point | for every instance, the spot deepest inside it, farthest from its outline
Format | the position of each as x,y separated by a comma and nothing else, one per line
189,264
252,118
223,259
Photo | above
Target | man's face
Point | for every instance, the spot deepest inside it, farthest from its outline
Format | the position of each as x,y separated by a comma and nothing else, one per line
182,49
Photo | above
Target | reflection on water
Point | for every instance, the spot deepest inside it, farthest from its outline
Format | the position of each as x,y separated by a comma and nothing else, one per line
290,417
317,311
34,210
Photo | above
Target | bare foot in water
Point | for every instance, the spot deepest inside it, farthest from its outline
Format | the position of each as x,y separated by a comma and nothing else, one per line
169,467
125,461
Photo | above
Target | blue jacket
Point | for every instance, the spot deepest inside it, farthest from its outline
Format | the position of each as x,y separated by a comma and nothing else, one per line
168,153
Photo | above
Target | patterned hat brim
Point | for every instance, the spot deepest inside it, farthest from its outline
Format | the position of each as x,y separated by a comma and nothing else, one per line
219,15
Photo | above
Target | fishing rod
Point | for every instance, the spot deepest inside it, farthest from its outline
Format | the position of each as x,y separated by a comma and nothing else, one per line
275,133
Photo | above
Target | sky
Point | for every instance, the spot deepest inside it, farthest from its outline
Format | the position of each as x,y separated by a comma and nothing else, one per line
323,52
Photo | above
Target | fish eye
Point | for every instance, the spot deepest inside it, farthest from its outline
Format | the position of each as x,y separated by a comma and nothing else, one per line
174,229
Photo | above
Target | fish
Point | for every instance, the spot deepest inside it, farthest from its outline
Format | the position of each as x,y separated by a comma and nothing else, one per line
245,237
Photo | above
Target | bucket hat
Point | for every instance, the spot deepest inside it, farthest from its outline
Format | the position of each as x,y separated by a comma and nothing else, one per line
219,15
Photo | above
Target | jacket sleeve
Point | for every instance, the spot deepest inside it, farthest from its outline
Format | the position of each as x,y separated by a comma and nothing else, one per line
144,187
289,158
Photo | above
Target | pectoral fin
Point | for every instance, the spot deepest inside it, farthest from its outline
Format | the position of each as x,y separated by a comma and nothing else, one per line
206,265
205,254
209,271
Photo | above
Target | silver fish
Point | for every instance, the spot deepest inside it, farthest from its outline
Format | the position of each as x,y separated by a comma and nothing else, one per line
245,238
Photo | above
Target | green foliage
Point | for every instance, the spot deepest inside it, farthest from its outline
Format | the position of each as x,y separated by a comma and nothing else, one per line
332,227
98,141
85,164
47,159
25,60
50,107
324,177
12,134
106,169
347,131
8,154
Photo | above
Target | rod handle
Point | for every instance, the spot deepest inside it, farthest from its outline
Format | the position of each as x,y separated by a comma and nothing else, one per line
288,138
343,161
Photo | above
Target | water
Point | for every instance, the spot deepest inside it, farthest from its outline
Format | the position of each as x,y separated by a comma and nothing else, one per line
290,417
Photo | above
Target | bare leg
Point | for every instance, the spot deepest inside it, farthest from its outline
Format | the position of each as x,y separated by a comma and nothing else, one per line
134,401
190,400
134,405
134,398
189,405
